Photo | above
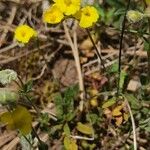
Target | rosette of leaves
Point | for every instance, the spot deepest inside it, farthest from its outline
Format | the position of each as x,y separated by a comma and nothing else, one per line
65,103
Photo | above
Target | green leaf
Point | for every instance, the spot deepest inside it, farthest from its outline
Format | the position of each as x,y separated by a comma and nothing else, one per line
116,3
66,129
109,16
59,107
147,128
122,79
146,46
20,118
69,96
65,102
120,11
70,116
93,118
100,11
27,87
84,128
114,68
109,103
134,102
70,144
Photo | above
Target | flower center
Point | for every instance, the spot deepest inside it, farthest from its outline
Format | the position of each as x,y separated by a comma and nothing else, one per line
53,17
23,34
68,2
87,13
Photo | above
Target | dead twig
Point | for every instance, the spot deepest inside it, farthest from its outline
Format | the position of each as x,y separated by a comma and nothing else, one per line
133,123
10,20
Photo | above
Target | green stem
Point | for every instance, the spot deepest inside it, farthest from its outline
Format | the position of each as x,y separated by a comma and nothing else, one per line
27,97
120,48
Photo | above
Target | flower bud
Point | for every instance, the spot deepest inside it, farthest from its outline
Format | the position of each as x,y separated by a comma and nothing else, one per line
134,16
8,96
7,75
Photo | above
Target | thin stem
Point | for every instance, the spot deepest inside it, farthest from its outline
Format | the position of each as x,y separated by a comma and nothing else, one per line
98,54
120,48
36,135
35,108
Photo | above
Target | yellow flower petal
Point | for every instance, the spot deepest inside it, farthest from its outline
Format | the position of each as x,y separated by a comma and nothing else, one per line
24,33
89,15
53,15
68,7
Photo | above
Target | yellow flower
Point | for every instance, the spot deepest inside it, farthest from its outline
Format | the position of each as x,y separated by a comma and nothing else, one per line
53,15
68,7
88,16
24,33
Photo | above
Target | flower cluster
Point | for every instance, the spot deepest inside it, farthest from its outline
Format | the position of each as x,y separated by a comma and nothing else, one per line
87,15
60,9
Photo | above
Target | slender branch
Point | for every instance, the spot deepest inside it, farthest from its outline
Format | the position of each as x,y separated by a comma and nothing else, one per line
120,48
98,54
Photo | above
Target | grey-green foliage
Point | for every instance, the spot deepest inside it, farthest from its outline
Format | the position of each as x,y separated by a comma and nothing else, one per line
7,76
144,122
146,46
65,102
134,102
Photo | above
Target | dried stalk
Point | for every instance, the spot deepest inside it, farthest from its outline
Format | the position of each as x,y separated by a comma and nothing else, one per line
77,61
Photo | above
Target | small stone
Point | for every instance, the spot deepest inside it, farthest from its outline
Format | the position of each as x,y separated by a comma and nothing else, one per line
133,85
